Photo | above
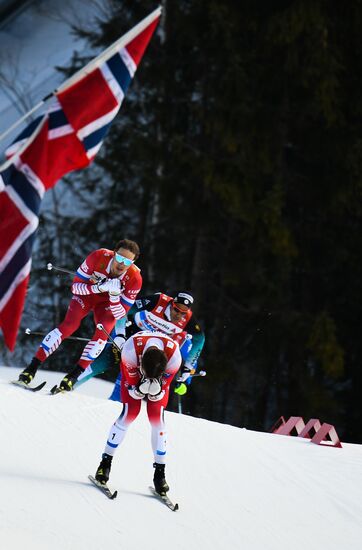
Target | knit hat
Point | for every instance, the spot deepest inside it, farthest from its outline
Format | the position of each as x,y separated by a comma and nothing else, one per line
184,298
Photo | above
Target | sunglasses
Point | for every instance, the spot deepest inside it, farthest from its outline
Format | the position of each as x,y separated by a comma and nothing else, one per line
123,260
181,311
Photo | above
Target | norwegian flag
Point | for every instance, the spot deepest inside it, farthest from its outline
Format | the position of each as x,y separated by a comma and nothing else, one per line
67,137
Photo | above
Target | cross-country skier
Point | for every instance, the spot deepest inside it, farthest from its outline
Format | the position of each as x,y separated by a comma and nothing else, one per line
174,317
149,361
106,283
170,315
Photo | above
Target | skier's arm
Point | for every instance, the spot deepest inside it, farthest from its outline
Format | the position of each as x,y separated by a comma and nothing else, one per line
129,367
198,341
84,289
84,282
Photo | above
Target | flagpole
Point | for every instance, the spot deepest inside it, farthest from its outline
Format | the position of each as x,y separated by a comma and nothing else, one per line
107,53
24,117
14,158
93,64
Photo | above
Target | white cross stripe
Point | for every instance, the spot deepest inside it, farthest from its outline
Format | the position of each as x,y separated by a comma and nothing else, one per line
128,61
97,124
94,150
55,133
30,176
114,87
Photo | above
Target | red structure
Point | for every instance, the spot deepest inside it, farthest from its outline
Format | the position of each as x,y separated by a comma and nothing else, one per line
322,434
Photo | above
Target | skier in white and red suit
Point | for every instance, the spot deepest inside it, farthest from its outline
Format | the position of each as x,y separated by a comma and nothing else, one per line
174,317
106,283
149,361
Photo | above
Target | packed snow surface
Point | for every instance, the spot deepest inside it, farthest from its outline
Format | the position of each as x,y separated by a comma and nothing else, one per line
237,489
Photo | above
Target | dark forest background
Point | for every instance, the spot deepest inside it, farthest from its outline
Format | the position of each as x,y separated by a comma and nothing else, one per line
236,164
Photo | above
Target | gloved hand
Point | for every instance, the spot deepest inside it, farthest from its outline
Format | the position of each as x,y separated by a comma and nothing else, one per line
103,285
184,374
155,388
114,287
135,393
156,397
150,386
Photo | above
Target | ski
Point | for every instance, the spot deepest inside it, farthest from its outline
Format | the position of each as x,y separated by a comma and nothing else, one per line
27,387
164,498
103,487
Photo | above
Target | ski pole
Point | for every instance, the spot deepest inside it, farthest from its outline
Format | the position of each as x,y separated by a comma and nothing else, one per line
101,327
50,266
30,332
201,373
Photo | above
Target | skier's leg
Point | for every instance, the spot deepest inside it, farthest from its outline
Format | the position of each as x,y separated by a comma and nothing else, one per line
96,345
130,411
77,310
99,365
93,348
155,412
119,429
110,357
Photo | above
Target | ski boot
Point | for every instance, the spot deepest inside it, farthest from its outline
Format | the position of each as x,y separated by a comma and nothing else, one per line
104,468
67,384
159,481
29,372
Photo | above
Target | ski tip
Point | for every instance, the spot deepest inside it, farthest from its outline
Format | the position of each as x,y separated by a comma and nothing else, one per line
27,387
103,487
164,499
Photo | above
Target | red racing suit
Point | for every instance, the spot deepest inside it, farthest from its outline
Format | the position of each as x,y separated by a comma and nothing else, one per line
130,367
155,319
87,297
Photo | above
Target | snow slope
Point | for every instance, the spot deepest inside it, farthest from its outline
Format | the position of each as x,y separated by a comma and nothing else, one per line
237,489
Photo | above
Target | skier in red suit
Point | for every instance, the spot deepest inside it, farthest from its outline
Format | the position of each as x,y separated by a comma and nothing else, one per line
107,283
149,362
